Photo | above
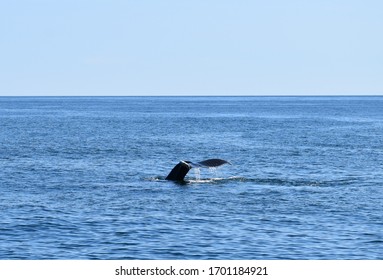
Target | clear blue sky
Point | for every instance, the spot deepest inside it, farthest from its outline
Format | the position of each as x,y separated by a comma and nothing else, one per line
196,47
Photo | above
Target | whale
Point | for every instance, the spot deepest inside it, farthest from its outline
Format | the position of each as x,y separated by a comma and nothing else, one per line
179,171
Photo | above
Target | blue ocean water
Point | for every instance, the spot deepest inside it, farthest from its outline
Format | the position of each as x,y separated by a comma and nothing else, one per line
83,178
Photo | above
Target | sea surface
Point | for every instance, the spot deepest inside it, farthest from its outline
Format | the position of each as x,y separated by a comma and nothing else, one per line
84,178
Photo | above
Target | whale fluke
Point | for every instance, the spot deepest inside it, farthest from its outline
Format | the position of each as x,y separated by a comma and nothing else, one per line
214,162
179,171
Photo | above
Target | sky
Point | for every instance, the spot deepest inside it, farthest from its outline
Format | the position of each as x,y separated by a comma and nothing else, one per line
196,47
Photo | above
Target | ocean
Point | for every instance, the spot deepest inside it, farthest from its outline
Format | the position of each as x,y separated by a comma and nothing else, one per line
84,178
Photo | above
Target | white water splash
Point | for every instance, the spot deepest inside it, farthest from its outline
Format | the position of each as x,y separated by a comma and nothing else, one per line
197,174
214,172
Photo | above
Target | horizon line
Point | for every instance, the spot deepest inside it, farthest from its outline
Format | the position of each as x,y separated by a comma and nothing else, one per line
200,95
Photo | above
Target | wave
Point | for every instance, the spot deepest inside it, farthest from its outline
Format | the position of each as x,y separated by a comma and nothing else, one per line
264,181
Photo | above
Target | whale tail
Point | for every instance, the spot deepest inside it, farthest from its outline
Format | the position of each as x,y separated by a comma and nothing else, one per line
179,171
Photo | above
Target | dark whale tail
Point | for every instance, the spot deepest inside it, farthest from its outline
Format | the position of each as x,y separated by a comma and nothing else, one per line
179,171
